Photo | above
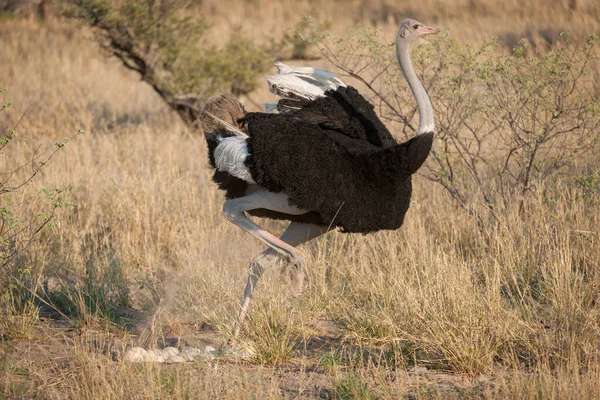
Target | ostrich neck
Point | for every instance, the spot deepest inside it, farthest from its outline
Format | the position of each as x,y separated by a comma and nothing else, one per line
426,122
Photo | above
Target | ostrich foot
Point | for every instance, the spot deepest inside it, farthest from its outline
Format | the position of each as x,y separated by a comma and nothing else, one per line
294,269
292,273
231,348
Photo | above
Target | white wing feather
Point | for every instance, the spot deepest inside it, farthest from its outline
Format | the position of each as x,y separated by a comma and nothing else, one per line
305,83
291,86
323,79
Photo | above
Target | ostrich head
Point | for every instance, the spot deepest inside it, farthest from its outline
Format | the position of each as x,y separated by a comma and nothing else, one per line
410,30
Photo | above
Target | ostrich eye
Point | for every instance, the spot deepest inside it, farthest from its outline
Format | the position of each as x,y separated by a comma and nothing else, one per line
415,26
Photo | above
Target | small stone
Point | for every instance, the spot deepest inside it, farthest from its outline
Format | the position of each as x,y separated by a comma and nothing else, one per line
192,351
154,355
135,354
175,359
418,369
169,351
245,354
186,357
196,353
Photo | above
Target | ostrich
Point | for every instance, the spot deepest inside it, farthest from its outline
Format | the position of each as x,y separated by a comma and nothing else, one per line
324,161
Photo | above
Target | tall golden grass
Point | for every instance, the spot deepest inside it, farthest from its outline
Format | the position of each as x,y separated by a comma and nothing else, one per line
507,311
468,20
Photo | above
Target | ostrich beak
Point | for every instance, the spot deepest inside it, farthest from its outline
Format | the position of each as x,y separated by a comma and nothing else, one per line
426,30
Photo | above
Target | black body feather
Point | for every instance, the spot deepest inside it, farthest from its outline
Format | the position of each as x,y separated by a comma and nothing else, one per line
332,156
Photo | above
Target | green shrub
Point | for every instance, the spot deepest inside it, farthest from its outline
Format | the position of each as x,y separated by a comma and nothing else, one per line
164,41
504,123
20,224
299,40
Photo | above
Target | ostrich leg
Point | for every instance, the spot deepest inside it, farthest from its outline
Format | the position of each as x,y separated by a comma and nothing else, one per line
235,211
295,234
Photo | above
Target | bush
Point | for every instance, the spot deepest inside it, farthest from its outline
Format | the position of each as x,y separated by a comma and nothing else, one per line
165,43
504,123
20,224
301,37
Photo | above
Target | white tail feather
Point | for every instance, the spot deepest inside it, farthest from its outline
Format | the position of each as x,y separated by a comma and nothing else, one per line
230,156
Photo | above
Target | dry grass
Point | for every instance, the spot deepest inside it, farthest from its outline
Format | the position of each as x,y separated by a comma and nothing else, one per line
509,311
467,19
